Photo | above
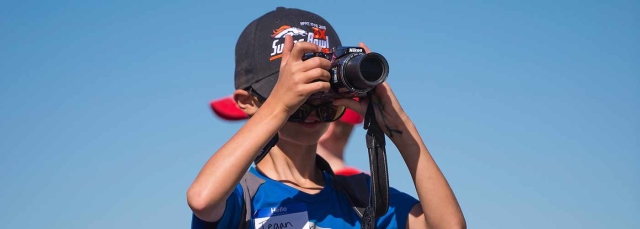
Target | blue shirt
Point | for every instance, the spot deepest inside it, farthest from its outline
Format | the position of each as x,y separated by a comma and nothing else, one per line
276,205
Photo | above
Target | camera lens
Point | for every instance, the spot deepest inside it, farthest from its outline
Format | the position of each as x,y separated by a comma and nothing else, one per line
371,68
366,71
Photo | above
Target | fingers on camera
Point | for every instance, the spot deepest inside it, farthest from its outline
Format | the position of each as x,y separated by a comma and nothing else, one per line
317,74
316,62
300,48
366,49
318,86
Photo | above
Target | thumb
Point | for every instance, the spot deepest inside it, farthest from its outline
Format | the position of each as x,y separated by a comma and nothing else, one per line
357,106
363,46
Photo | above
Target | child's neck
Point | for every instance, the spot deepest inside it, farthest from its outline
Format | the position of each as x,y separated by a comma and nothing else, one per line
295,168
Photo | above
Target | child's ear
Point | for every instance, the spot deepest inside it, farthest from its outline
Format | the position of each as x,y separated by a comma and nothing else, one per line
245,101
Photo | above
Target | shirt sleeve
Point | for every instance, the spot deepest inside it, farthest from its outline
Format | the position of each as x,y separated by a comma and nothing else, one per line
402,203
231,216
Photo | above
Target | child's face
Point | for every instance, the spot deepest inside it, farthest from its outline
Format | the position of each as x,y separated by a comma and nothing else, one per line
303,133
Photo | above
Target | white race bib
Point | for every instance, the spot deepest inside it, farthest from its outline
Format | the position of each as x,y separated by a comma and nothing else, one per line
281,217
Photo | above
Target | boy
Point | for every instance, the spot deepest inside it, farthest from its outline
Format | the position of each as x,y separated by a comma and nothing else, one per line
296,193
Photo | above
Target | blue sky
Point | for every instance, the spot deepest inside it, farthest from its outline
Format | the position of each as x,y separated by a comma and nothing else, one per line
528,107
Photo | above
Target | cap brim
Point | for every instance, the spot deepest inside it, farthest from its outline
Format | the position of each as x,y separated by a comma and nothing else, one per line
351,117
227,109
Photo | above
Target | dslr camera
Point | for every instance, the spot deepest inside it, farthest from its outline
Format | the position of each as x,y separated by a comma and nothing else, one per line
353,72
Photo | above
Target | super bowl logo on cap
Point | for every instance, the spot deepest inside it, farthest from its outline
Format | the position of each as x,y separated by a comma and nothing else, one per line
287,30
317,35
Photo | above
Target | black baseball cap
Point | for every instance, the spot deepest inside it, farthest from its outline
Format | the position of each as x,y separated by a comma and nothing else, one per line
259,47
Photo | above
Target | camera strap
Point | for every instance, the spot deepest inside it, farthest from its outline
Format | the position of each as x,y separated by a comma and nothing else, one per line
379,188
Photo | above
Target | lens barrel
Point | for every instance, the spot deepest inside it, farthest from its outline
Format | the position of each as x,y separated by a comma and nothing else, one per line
364,72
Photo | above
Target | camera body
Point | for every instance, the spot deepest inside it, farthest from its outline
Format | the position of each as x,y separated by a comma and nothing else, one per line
353,72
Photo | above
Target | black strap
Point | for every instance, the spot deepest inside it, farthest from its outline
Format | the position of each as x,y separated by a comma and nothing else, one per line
347,185
379,198
266,148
